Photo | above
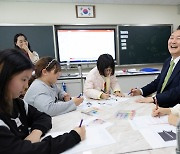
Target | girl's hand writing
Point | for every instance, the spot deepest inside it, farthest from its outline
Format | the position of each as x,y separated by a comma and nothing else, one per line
81,131
104,96
78,101
67,97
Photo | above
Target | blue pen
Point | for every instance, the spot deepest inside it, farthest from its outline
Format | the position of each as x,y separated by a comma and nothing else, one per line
79,95
131,91
81,123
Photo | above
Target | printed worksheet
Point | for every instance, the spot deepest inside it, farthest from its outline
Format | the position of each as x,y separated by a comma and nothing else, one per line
94,121
95,137
125,114
147,121
160,136
110,102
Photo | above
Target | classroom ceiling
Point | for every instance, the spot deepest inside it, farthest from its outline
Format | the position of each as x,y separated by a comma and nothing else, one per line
132,2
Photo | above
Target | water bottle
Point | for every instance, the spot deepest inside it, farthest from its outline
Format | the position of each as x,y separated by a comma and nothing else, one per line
64,87
80,70
68,64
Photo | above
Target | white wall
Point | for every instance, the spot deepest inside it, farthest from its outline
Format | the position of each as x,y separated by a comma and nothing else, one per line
64,13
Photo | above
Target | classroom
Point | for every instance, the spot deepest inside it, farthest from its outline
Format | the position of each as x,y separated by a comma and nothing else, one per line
113,125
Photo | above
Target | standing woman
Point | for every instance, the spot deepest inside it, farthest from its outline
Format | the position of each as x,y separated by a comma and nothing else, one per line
22,125
20,42
101,80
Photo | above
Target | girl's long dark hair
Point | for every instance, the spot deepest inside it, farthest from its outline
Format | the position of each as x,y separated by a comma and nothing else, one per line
12,62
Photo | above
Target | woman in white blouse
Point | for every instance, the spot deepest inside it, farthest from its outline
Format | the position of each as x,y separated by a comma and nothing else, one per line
21,43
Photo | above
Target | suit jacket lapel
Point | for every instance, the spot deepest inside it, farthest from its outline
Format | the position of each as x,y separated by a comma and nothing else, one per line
164,72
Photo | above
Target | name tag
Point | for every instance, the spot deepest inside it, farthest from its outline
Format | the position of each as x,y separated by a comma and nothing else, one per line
18,122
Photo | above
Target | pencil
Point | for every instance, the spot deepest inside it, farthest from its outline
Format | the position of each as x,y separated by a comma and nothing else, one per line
103,91
155,100
86,113
156,105
131,91
81,123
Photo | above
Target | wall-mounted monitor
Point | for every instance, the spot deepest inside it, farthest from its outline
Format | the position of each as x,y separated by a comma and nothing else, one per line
84,44
143,44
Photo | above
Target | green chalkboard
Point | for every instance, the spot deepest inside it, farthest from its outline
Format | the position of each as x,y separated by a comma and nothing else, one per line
40,38
143,44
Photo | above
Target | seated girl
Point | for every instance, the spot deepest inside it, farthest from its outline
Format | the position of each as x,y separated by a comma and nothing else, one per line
173,113
101,80
22,125
44,94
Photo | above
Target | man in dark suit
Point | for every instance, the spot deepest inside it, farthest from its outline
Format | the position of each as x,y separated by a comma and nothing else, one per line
167,84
